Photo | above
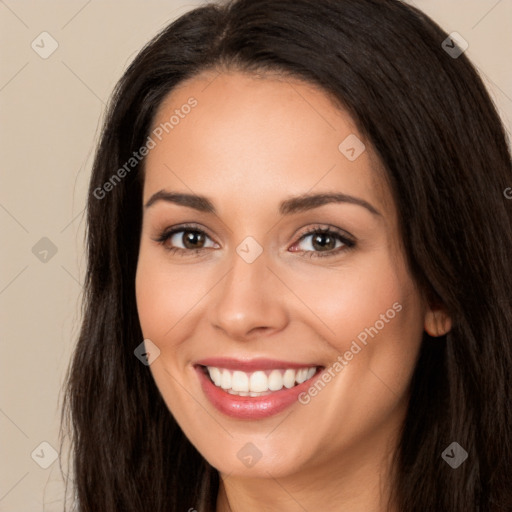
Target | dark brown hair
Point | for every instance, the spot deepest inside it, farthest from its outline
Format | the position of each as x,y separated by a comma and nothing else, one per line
440,139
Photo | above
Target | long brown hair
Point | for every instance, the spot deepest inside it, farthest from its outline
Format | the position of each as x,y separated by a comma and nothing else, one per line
447,162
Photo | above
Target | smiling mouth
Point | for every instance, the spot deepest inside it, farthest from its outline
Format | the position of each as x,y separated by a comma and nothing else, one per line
258,383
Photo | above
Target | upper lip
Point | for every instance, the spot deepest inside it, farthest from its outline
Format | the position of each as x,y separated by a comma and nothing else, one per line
249,365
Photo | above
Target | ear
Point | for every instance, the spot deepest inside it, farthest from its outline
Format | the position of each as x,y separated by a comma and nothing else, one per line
437,321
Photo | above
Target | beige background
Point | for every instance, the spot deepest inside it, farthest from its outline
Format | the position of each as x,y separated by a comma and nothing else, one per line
51,111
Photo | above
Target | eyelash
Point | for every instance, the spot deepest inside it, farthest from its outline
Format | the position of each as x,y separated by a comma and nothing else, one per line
194,228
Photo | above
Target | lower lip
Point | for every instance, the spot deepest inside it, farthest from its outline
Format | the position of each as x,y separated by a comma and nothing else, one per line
250,408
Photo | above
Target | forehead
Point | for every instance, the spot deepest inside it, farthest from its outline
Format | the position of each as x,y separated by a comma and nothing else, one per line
253,137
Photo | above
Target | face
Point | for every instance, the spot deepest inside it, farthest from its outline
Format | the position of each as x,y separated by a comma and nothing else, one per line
288,326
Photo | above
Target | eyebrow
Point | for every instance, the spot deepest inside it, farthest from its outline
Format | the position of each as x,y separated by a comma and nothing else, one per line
287,207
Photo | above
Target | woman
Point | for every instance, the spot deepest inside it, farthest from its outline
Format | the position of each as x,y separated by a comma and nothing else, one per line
299,257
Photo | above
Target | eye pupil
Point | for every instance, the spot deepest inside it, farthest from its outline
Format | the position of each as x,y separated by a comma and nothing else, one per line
318,243
193,237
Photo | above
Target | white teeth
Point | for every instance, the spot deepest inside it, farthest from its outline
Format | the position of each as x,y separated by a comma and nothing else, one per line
289,378
260,382
275,380
225,382
215,375
301,375
240,381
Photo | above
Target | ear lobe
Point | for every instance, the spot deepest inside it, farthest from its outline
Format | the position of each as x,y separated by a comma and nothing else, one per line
437,322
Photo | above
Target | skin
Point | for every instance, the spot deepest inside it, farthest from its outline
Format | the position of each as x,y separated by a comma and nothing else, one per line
250,143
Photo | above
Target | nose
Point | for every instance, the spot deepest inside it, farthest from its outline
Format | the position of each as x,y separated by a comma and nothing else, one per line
249,302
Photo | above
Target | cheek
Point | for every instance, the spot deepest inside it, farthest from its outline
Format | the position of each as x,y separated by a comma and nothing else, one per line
152,300
372,317
165,294
352,299
374,320
165,299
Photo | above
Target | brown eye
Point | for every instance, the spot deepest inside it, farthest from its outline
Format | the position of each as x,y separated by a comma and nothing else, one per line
192,239
185,239
323,242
